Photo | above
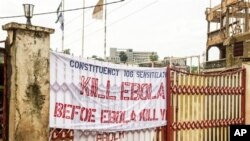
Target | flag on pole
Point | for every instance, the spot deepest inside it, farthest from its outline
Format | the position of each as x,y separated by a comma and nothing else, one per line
98,10
60,16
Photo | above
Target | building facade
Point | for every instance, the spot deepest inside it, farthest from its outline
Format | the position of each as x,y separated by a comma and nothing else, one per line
134,57
231,36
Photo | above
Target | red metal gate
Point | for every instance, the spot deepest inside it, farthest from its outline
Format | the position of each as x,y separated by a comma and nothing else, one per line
3,95
139,135
201,107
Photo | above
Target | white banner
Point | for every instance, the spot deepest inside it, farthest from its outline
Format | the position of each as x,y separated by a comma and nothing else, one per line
138,135
93,95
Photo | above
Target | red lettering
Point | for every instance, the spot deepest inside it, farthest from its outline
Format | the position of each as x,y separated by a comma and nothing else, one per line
104,114
135,91
94,87
84,84
144,115
163,114
108,116
58,110
68,110
133,116
108,92
75,111
154,115
147,89
160,92
148,115
138,91
109,136
124,91
87,114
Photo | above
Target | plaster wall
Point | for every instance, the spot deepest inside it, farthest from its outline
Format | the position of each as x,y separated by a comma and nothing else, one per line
28,81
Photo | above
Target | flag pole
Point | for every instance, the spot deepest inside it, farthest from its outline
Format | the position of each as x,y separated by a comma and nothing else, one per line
63,26
83,15
105,29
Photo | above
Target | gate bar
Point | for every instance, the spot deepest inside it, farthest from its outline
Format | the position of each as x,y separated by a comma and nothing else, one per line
169,132
243,97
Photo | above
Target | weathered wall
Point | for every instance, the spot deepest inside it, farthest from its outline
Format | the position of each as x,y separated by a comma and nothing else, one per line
28,81
247,66
246,52
229,56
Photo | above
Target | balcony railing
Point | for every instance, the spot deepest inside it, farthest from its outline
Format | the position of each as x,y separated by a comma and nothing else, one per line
215,64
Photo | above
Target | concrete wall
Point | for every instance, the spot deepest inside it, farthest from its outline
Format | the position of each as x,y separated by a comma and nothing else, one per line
246,52
28,81
247,66
229,56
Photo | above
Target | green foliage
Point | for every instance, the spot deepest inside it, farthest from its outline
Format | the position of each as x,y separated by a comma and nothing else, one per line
97,58
153,57
94,56
66,51
123,57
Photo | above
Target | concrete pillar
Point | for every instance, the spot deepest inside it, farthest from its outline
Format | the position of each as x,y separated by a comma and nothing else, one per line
27,50
229,56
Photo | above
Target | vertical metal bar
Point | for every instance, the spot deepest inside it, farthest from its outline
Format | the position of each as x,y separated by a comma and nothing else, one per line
210,104
189,110
192,83
83,28
178,110
105,29
213,104
182,109
63,28
217,99
243,97
227,111
222,107
169,131
174,103
205,83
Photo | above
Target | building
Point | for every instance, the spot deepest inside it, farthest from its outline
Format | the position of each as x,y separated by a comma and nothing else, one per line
176,61
228,30
179,63
134,57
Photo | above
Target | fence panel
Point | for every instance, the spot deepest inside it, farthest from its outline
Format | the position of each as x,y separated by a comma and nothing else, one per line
203,106
139,135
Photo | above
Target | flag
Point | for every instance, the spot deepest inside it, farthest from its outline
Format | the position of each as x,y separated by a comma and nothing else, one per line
60,16
98,10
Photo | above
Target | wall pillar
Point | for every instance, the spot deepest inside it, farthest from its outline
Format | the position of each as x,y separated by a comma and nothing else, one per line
27,50
229,55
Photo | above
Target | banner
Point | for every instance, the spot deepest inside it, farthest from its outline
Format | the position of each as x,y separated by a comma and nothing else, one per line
92,95
138,135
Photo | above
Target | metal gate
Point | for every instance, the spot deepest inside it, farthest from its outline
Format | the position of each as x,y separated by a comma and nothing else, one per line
3,96
139,135
201,107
